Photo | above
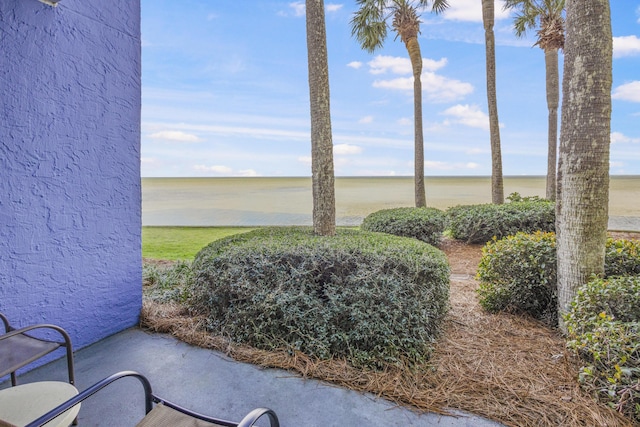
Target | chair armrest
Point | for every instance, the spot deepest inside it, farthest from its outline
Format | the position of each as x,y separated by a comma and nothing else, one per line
62,332
90,392
150,398
254,415
7,326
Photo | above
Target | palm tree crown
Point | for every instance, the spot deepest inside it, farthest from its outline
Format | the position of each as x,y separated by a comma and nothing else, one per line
546,15
369,23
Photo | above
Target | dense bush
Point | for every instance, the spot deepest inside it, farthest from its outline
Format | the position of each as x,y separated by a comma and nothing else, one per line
603,324
371,298
622,257
165,283
617,297
518,273
480,223
426,224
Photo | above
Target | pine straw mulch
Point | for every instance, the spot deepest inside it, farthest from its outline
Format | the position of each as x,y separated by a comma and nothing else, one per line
503,367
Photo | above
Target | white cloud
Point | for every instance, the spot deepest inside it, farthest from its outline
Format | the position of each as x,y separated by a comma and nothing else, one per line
306,160
298,8
354,64
402,83
432,64
278,133
435,165
619,137
345,149
616,164
626,46
468,115
148,160
400,65
628,92
175,135
443,89
395,64
215,169
471,11
404,121
437,88
224,171
366,119
247,173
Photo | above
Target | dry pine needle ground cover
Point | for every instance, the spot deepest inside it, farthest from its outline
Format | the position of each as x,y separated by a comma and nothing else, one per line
503,367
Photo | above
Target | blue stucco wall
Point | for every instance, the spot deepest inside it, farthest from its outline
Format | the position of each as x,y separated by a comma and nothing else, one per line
70,199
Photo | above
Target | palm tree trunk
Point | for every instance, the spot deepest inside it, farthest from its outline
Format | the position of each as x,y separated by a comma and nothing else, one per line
497,185
324,206
584,147
553,95
413,47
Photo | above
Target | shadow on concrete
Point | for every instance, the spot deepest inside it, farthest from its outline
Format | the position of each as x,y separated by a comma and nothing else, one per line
211,383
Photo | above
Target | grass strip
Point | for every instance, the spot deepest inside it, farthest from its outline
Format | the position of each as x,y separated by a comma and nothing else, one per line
182,243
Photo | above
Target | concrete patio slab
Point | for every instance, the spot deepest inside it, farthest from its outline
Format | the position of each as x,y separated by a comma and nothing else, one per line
211,383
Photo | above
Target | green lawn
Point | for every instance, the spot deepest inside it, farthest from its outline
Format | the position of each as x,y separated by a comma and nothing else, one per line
182,243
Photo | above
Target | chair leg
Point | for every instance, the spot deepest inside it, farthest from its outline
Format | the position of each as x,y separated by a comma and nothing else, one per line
70,369
14,380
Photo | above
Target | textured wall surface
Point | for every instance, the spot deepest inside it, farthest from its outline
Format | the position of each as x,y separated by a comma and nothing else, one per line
70,230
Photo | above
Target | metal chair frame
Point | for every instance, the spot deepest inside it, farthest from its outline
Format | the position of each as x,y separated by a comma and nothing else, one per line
18,348
150,398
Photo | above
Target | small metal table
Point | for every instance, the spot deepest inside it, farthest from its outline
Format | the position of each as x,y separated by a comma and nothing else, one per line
22,404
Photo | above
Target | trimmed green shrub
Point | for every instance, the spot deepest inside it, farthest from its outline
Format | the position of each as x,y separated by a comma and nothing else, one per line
480,223
622,257
426,224
617,297
603,324
165,283
371,298
517,274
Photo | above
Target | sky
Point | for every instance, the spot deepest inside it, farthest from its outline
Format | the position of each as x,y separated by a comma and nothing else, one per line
225,93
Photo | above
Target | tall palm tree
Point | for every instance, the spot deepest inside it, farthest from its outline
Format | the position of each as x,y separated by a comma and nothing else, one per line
488,19
369,26
547,16
583,170
324,205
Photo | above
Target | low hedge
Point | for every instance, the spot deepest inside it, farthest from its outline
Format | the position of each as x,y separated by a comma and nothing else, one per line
603,325
480,223
519,273
371,298
426,224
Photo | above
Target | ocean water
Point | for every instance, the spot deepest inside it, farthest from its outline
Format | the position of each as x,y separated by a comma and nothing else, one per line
288,201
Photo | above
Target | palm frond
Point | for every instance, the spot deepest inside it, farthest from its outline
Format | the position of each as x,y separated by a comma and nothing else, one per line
368,24
439,6
546,15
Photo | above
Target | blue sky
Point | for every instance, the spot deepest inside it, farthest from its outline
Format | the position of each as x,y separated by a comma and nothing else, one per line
225,93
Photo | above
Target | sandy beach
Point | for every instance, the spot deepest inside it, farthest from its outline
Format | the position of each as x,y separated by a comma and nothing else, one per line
288,201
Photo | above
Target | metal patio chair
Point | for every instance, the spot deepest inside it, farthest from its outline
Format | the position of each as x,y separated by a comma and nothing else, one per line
159,412
20,347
